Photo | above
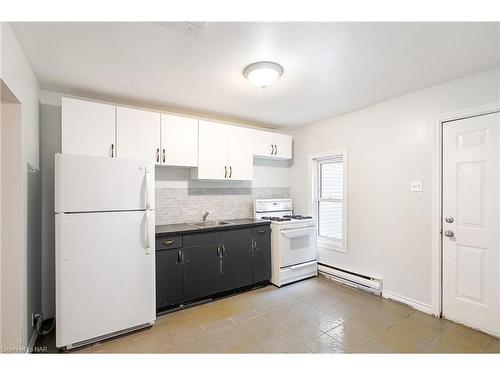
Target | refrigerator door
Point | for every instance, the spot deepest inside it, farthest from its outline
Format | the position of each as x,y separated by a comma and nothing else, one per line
105,279
90,184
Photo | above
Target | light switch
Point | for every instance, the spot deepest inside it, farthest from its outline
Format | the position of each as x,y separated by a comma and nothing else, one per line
416,185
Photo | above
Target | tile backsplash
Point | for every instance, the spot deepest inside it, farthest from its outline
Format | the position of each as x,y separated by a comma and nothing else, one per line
180,205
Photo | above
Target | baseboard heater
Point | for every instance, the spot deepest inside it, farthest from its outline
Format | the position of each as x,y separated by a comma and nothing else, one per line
356,280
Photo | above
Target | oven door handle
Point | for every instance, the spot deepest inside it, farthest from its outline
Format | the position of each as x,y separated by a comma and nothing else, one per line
292,233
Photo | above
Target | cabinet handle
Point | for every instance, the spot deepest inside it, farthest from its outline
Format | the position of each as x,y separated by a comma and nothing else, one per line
272,149
218,251
275,150
261,231
230,171
179,256
164,155
157,155
112,150
223,250
225,172
169,242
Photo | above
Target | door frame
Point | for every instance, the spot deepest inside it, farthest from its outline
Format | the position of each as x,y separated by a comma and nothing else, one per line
437,195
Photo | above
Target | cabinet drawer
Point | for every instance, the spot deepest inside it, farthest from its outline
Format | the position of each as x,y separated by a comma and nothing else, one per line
166,243
202,239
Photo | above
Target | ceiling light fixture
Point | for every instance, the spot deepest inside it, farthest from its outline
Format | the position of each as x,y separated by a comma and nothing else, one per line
263,73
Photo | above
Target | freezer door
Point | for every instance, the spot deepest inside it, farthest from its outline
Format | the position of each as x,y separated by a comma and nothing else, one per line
89,184
105,279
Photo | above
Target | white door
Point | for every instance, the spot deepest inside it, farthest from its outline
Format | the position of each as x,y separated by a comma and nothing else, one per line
137,134
89,183
104,276
212,152
179,141
239,153
471,262
88,128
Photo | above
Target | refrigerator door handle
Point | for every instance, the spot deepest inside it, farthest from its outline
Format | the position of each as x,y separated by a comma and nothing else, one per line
146,233
147,176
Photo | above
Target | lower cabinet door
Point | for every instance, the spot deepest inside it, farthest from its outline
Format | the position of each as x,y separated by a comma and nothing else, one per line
261,253
169,278
201,271
236,265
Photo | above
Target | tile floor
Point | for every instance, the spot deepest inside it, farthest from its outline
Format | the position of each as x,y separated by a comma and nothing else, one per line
315,315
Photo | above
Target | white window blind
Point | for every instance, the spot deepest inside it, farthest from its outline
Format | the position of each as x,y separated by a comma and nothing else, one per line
330,200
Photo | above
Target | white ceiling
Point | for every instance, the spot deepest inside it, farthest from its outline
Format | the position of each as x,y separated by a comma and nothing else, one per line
330,68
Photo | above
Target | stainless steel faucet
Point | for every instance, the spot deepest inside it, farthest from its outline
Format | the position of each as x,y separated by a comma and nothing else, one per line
205,215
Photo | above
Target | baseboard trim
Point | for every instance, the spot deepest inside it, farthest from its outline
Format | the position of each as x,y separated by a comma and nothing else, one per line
417,305
32,341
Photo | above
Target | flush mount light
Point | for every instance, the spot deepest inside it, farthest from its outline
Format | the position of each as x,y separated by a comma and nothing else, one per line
263,73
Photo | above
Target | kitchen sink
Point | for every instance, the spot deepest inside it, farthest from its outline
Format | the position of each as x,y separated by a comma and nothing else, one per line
206,224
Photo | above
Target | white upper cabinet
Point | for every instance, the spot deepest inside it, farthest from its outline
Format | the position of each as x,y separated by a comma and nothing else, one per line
179,141
225,152
212,151
240,153
137,134
88,128
272,145
220,151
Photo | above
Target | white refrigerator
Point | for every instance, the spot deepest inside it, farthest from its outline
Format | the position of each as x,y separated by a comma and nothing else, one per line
105,242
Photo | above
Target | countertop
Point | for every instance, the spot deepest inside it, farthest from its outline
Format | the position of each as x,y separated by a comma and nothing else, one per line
185,228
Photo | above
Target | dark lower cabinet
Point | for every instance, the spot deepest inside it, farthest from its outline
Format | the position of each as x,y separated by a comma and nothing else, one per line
261,254
205,264
169,278
236,260
201,277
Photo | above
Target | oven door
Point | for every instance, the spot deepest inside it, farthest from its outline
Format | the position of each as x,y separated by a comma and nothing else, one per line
297,245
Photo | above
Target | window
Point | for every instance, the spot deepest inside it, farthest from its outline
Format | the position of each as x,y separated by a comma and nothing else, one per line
330,201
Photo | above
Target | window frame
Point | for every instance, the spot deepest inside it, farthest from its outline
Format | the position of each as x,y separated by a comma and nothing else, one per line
316,160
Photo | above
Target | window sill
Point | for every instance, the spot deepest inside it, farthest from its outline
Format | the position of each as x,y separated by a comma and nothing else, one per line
331,246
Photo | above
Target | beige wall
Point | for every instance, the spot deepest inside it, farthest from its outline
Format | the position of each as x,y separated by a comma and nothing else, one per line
388,144
13,266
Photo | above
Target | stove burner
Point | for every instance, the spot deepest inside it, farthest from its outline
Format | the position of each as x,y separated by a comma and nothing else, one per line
276,218
298,217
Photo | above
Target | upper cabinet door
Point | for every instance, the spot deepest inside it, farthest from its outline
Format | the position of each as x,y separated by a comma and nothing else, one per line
282,145
138,134
272,145
179,141
88,128
240,153
212,155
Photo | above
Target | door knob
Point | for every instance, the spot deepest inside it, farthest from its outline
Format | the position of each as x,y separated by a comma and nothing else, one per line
449,233
449,219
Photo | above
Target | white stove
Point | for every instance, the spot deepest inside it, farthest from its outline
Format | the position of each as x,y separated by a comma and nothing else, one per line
293,240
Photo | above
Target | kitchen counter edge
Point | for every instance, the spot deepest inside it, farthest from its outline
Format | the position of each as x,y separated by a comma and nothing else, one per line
185,228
